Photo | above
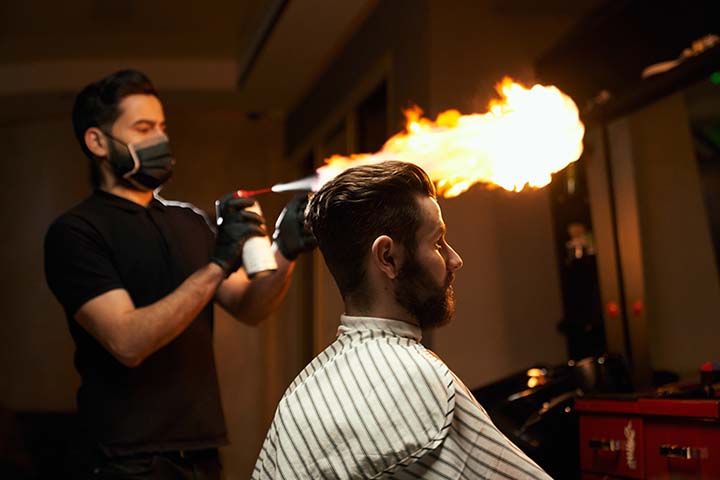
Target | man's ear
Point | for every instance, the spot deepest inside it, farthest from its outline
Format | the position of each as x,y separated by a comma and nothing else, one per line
386,255
96,142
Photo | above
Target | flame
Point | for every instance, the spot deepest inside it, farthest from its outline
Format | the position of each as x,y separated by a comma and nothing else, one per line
523,138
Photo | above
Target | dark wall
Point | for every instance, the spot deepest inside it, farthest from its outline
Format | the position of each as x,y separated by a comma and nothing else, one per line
399,28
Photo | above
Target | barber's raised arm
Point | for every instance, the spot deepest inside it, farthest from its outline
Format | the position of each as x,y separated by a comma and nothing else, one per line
251,301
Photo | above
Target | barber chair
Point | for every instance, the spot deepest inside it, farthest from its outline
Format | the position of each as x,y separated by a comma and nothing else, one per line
535,408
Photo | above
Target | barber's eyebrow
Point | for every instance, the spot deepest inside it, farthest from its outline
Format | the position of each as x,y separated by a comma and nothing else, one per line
147,121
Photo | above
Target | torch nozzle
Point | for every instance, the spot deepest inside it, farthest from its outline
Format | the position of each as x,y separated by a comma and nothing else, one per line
251,193
308,184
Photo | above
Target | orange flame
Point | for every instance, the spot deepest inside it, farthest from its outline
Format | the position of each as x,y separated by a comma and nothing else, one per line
524,137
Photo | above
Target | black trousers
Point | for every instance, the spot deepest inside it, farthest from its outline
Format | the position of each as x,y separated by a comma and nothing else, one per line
177,465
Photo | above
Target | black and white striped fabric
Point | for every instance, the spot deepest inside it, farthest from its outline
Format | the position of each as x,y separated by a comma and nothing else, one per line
376,404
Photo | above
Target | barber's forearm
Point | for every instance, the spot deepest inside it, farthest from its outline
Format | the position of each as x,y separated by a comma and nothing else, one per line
147,329
263,295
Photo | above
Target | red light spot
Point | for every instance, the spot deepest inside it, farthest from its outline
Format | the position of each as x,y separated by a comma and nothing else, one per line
638,307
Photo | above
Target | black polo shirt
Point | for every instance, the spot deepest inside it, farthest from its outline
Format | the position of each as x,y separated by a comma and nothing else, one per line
171,401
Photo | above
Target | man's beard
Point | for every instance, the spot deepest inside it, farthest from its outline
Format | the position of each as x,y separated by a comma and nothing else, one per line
418,293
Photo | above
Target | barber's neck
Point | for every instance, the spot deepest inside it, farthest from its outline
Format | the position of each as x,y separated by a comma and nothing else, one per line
141,197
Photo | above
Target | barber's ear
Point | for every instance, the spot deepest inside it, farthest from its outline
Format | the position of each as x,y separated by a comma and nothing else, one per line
387,256
96,142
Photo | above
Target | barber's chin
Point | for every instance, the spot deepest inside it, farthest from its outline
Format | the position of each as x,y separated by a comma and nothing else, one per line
131,185
145,188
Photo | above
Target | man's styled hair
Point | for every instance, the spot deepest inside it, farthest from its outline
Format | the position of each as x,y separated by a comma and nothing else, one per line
97,105
348,213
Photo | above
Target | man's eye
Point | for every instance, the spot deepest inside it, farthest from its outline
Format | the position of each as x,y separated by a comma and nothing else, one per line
438,246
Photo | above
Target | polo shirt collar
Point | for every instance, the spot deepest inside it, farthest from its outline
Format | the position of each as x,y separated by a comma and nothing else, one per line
349,323
125,204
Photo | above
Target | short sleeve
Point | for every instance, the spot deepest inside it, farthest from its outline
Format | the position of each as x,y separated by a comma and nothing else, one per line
78,264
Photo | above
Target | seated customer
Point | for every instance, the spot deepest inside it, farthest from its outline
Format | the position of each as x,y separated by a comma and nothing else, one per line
377,403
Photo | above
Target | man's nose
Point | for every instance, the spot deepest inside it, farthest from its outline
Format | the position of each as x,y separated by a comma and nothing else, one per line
455,262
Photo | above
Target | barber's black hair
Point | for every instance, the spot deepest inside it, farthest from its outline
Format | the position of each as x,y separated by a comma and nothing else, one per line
97,105
349,212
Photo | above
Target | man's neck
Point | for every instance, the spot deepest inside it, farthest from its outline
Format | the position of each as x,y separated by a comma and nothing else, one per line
391,310
142,198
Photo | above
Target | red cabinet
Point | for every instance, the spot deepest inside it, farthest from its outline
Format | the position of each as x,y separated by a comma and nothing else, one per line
649,439
610,445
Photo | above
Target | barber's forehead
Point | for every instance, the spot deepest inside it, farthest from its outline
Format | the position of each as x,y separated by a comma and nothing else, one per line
140,103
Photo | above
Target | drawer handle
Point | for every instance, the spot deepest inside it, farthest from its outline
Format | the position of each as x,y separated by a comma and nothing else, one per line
676,451
604,445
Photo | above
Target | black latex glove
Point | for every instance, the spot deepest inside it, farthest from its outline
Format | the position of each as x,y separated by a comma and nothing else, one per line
235,226
291,234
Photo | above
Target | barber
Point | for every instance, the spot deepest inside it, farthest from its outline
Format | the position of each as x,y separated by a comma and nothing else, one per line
137,277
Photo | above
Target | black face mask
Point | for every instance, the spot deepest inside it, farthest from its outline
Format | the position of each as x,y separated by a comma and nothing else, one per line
146,165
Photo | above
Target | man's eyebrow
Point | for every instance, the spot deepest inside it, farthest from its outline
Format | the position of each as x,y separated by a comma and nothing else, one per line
440,230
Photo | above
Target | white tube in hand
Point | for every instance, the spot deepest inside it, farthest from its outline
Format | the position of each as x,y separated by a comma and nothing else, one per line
258,256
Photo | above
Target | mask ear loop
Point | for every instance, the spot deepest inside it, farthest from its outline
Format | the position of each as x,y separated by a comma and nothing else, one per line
133,155
136,160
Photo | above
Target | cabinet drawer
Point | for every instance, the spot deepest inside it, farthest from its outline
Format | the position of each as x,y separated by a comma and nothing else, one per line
682,449
612,445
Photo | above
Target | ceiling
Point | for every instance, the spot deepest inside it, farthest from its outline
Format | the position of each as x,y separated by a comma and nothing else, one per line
185,46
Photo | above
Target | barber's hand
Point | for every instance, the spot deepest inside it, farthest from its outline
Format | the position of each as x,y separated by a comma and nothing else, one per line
291,235
235,226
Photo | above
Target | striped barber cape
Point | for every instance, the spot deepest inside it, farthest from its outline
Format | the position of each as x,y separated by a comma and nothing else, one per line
375,404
